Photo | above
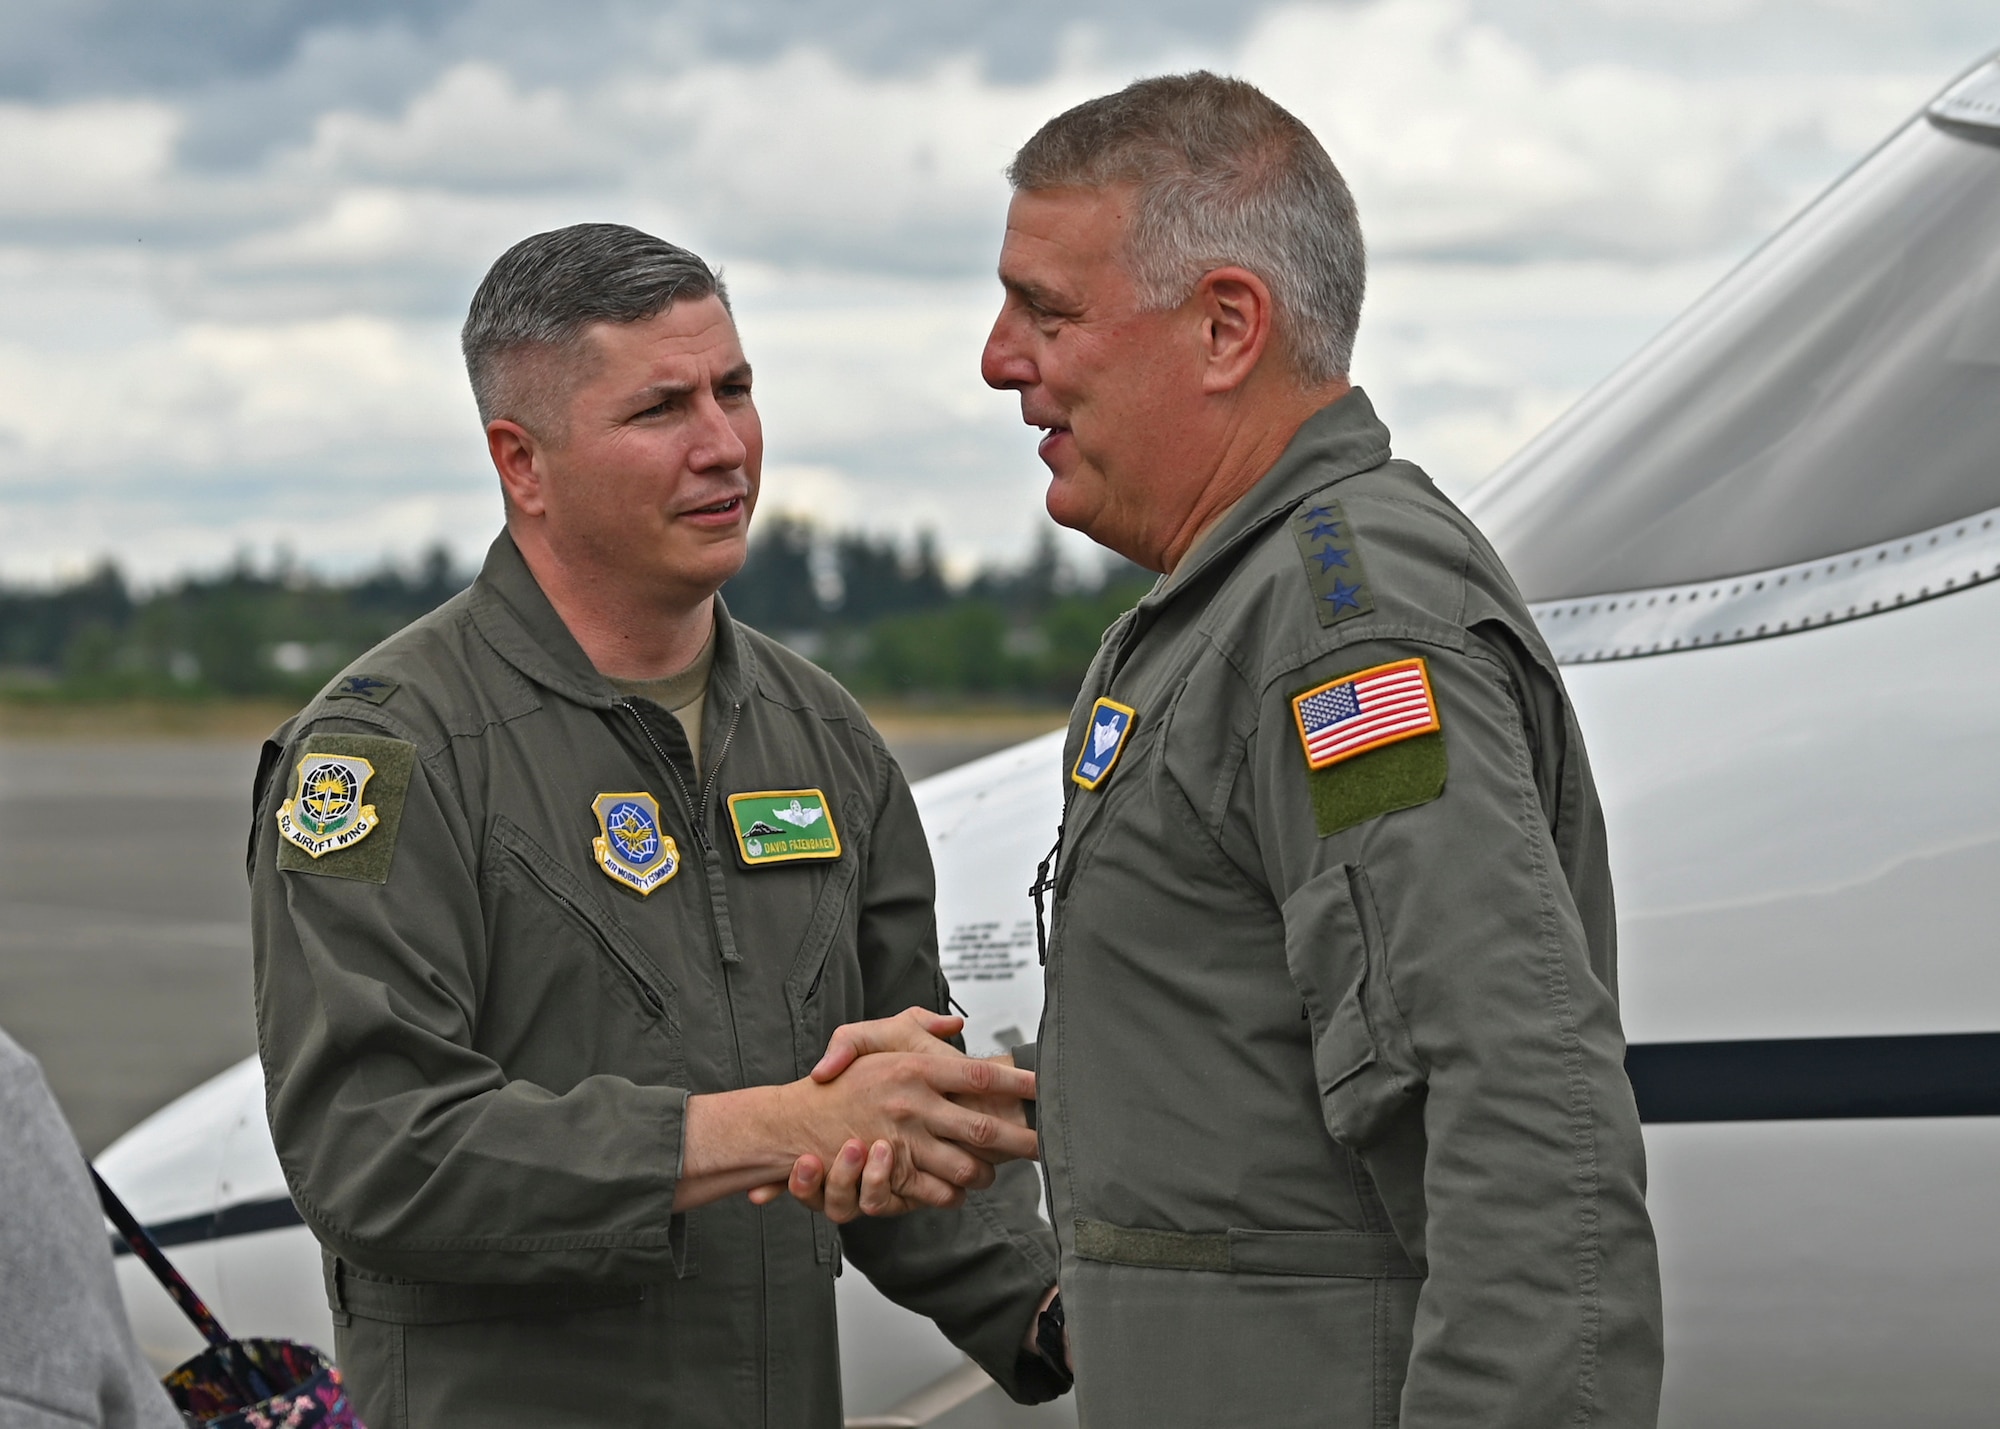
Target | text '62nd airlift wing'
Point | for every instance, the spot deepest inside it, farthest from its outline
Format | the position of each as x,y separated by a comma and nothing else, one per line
325,811
783,826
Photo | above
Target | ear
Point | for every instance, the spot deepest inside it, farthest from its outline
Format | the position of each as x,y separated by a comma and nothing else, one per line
1238,322
517,456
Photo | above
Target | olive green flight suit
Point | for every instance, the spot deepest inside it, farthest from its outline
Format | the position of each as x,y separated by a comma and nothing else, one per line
1333,1107
478,1047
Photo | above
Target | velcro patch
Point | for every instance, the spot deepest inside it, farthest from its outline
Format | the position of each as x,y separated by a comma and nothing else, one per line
1396,776
1355,713
346,806
1333,561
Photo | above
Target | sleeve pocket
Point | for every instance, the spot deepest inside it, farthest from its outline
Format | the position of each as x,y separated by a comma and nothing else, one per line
1363,1062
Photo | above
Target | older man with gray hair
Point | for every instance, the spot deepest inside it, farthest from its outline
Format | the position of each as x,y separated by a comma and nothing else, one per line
1333,1109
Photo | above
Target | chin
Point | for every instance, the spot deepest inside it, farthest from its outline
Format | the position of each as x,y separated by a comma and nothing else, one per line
1064,504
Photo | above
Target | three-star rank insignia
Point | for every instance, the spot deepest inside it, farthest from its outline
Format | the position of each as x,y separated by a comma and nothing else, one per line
1110,726
783,826
1332,561
630,846
325,812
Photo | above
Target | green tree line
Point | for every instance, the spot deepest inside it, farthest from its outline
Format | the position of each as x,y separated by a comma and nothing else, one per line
877,612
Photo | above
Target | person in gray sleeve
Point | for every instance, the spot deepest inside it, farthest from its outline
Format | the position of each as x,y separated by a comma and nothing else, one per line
67,1358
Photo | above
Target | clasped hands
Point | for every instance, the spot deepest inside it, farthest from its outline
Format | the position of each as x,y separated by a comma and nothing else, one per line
916,1122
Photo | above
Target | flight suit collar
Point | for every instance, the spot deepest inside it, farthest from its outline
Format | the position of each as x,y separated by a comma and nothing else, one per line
1337,441
517,620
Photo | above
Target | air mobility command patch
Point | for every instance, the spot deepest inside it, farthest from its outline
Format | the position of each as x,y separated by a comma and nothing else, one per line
346,806
630,846
1333,563
783,826
1373,743
1110,725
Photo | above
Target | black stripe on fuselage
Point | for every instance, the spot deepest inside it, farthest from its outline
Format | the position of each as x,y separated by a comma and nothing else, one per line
1812,1078
244,1218
1786,1079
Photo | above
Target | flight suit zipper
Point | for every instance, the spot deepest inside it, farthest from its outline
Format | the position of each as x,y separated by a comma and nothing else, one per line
725,938
697,817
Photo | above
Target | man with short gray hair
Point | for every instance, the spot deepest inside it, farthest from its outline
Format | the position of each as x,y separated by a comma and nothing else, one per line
558,893
1333,1108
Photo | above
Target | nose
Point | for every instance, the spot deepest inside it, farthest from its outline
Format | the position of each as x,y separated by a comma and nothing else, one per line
717,444
1005,363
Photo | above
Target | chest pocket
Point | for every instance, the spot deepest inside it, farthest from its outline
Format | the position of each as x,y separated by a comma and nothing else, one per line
558,962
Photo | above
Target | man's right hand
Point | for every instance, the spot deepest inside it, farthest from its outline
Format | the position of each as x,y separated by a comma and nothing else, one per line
946,1116
936,1147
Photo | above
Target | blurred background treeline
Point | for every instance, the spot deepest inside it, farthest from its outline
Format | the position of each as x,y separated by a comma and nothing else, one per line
878,612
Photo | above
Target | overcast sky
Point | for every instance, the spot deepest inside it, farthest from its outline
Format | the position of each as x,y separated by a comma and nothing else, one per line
236,239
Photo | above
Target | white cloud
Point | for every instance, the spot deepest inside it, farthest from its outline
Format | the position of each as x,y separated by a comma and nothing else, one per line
97,159
1458,138
474,127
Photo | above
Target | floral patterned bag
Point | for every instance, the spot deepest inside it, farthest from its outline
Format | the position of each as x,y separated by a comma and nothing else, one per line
237,1384
304,1387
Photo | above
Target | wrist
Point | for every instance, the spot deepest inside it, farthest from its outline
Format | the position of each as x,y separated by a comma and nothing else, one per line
751,1130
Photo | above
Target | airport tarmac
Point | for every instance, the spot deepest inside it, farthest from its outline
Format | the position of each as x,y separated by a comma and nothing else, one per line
125,915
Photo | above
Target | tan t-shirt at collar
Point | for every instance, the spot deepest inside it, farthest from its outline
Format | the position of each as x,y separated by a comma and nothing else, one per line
684,693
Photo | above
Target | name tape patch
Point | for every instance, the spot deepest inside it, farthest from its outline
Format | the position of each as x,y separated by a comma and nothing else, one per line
1110,725
1366,710
630,846
783,826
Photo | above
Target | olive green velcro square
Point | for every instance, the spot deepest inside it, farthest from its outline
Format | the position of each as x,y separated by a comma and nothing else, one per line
1396,776
359,782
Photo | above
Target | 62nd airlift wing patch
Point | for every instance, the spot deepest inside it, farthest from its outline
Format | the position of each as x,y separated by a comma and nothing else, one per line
325,812
346,806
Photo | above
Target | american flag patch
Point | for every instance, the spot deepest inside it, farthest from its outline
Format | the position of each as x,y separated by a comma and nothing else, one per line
1357,713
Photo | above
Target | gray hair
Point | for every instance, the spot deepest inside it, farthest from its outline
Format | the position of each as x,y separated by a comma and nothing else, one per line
537,299
1225,176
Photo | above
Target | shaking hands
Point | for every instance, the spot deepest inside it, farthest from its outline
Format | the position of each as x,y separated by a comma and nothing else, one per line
918,1123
